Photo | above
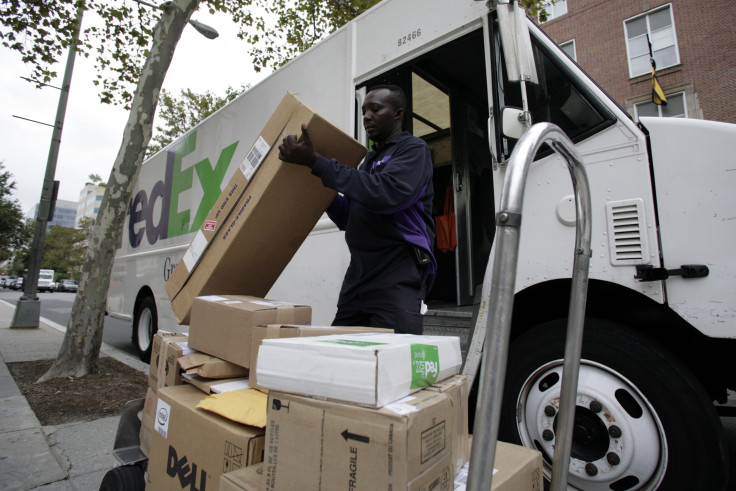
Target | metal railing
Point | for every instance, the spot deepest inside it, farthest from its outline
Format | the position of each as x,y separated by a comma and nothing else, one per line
498,322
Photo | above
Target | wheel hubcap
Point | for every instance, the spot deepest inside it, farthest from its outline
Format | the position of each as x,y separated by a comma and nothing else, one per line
618,441
144,329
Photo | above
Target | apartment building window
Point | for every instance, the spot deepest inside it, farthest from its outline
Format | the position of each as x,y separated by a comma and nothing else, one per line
659,25
676,107
569,48
555,8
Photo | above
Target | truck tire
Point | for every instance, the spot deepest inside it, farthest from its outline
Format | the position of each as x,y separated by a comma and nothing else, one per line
642,421
145,325
124,478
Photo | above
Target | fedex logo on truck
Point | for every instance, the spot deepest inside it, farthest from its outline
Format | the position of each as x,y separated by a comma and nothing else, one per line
163,197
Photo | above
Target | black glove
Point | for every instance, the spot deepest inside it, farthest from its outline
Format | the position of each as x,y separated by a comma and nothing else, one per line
298,151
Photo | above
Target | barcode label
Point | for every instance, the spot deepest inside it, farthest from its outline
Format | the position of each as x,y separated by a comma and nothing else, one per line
254,158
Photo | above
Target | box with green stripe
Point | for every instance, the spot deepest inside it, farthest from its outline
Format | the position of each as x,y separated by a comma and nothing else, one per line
370,369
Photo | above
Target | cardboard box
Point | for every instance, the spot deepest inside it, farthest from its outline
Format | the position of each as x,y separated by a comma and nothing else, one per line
456,389
515,468
521,470
275,212
221,324
251,478
166,349
518,468
231,194
191,448
317,444
370,368
147,420
276,331
209,366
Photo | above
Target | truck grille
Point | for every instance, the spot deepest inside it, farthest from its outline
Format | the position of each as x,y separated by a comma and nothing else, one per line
626,232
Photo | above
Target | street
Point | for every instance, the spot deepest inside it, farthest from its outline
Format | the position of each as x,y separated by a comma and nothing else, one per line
57,307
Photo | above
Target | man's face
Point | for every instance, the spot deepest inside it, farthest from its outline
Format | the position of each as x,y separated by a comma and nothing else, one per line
380,119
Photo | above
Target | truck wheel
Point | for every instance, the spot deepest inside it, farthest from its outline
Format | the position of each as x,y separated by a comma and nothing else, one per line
145,325
642,420
124,478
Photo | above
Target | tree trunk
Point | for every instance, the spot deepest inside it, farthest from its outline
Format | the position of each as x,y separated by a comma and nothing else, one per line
80,350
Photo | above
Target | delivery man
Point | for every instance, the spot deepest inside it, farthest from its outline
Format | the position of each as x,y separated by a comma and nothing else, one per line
385,209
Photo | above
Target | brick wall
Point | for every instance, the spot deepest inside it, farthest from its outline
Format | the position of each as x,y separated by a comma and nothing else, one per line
706,40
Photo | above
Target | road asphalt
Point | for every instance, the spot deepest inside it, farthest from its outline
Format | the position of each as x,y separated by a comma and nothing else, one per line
73,456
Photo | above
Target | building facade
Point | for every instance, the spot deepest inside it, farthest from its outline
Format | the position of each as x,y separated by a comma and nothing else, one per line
90,198
65,213
693,44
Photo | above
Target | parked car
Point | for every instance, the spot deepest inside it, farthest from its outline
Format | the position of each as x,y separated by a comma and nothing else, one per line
17,284
67,286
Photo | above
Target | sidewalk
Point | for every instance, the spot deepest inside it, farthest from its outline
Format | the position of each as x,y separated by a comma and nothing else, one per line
72,456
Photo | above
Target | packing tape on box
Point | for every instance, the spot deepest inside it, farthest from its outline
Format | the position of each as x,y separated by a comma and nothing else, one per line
284,313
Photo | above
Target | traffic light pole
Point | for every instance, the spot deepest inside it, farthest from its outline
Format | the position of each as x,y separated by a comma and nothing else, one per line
28,309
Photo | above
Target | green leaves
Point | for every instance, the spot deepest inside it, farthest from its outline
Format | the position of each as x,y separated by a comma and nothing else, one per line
13,232
120,33
184,112
64,250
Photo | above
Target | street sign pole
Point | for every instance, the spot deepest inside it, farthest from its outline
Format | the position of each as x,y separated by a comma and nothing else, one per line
28,309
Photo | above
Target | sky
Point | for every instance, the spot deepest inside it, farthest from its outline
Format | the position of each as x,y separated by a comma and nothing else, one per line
92,131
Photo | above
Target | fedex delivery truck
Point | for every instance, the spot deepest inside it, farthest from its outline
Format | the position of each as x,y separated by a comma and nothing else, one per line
661,311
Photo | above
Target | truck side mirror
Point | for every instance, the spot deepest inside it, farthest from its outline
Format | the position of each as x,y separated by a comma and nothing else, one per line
516,42
513,122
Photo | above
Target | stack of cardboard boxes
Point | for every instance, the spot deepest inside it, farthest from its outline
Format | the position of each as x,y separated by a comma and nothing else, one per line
188,434
338,407
370,411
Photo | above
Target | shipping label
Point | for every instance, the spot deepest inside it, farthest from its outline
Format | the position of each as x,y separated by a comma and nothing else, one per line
195,250
254,158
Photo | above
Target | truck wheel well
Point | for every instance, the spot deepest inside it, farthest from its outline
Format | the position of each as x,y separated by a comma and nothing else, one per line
705,357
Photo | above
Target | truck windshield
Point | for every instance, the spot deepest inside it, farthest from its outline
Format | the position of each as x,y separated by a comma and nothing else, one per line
557,99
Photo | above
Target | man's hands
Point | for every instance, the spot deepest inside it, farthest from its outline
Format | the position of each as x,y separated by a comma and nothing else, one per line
300,151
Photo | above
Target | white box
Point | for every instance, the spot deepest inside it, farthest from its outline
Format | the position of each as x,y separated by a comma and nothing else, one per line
369,369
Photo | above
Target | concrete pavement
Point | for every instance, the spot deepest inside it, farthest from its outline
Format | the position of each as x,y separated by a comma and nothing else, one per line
72,456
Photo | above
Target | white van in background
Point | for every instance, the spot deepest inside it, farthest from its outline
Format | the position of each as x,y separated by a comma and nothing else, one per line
46,280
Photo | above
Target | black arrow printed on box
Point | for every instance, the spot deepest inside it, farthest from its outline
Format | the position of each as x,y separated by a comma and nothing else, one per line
352,436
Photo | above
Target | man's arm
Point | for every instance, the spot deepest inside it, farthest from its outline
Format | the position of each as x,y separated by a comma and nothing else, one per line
397,187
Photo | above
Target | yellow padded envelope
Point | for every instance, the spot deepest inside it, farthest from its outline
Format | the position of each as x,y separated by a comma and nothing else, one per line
247,406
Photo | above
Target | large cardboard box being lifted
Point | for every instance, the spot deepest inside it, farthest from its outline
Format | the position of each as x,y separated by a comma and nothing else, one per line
221,324
191,448
263,215
316,444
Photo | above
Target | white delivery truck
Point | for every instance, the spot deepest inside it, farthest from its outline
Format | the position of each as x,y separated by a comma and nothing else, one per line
46,280
661,311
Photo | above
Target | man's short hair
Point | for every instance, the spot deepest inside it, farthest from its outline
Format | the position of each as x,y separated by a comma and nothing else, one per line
397,96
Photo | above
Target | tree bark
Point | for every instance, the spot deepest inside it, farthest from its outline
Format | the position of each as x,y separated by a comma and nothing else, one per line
80,349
